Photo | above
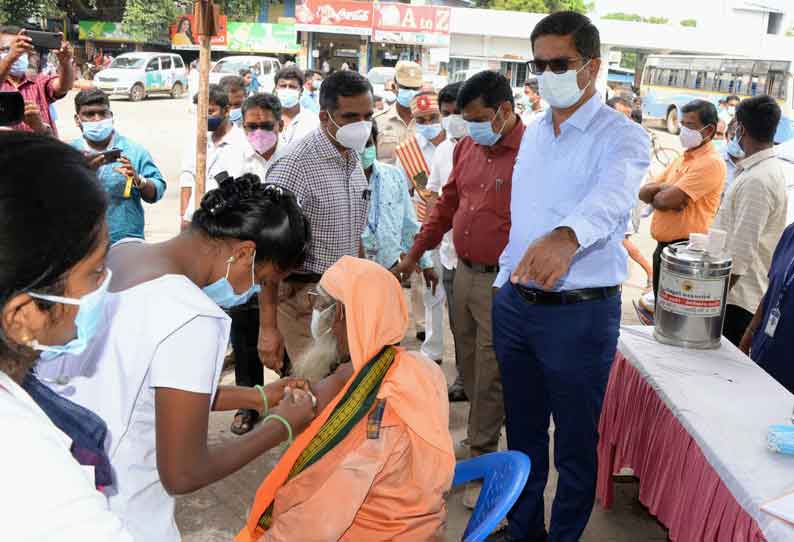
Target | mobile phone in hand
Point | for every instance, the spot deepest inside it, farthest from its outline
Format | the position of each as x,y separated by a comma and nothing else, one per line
12,108
111,156
45,40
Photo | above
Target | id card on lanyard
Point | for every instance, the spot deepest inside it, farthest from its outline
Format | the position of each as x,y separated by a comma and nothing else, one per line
776,313
373,217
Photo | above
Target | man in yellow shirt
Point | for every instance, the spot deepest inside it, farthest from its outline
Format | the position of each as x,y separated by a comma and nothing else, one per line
686,196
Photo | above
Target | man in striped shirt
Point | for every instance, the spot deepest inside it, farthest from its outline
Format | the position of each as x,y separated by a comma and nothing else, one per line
754,210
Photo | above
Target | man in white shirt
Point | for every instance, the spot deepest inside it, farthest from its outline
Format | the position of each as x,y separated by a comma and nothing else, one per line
226,148
753,211
262,125
428,306
455,128
298,120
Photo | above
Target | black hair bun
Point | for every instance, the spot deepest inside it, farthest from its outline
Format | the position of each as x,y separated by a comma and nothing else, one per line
230,193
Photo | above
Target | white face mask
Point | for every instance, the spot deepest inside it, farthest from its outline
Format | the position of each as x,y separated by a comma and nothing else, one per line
455,126
353,136
690,138
561,90
320,322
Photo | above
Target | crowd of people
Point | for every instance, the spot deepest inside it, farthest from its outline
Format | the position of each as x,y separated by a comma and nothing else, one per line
325,222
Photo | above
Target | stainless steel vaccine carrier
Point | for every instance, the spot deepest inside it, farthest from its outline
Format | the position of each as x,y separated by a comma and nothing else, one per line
691,302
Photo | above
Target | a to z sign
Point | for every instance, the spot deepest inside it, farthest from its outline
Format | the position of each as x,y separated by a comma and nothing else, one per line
408,18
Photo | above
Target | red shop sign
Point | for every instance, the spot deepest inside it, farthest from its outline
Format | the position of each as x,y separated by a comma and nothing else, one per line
330,15
410,18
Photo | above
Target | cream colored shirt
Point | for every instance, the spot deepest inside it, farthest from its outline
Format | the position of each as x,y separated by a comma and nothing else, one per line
754,215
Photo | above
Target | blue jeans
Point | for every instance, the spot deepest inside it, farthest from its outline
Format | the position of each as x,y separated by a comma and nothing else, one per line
554,360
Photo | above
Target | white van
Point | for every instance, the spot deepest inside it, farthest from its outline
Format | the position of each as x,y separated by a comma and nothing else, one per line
136,75
264,66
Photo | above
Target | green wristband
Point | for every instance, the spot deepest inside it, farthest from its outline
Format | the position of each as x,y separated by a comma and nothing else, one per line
264,400
285,422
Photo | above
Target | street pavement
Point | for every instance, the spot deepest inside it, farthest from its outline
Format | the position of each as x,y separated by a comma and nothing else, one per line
214,514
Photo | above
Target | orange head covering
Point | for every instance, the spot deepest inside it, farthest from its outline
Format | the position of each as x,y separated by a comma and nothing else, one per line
376,316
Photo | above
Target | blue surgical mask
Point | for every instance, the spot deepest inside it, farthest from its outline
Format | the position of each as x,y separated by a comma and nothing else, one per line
731,110
86,321
97,131
20,66
316,84
236,116
222,293
404,96
734,149
482,132
429,131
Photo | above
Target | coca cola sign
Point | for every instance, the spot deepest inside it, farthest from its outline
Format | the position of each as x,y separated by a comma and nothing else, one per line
334,16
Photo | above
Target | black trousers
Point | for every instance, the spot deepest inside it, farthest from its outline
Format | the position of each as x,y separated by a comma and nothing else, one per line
248,369
737,320
657,263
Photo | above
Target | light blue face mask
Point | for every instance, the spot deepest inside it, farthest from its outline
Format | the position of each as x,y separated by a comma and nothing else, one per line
86,321
482,132
720,145
429,131
734,149
222,293
97,131
20,66
236,116
404,96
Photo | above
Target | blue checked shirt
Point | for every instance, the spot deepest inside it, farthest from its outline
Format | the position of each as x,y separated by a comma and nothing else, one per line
125,215
391,223
588,179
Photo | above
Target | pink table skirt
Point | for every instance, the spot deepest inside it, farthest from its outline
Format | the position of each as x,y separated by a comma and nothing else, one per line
677,484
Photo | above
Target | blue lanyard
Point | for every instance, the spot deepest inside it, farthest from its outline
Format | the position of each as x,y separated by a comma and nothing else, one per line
788,278
374,216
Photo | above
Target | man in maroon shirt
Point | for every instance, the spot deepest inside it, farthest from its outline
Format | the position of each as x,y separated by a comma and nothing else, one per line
475,204
42,90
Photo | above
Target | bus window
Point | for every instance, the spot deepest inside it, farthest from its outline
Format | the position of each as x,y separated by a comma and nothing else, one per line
650,74
680,78
709,84
724,83
743,85
758,85
776,85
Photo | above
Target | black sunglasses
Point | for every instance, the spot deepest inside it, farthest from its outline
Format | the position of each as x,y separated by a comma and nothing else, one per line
556,65
261,126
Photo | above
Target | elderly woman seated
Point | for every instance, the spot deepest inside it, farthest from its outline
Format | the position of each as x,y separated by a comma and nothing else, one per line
376,462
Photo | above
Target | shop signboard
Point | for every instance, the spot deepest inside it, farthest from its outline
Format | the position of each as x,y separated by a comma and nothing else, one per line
411,24
104,31
262,37
334,17
184,36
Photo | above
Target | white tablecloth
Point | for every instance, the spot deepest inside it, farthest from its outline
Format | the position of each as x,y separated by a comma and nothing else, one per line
726,403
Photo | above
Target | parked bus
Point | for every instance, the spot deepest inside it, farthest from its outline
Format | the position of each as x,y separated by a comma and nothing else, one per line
671,81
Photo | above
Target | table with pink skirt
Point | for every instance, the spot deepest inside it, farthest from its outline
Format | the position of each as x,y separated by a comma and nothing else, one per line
692,426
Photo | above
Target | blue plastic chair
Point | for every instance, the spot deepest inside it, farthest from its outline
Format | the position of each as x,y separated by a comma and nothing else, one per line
504,475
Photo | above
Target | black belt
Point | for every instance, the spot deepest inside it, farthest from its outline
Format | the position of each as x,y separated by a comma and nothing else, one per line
540,297
479,267
304,278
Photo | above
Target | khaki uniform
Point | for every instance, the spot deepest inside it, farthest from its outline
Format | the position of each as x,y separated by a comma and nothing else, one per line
391,132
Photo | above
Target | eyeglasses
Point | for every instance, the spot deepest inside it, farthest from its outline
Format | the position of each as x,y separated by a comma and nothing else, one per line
556,65
251,126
